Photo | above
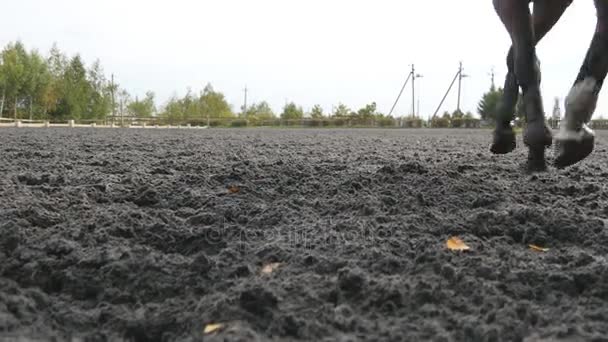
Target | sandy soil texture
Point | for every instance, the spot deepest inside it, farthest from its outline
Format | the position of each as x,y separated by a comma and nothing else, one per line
150,235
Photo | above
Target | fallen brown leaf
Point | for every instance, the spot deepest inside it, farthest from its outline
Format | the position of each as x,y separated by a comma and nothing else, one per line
538,249
211,328
456,244
233,189
269,268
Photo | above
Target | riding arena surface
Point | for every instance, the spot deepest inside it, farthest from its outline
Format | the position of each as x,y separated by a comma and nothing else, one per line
152,235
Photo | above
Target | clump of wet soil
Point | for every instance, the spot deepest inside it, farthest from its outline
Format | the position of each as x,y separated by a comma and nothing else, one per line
149,235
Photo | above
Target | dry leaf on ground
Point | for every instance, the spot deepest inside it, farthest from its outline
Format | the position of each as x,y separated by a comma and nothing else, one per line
538,249
456,244
211,328
233,189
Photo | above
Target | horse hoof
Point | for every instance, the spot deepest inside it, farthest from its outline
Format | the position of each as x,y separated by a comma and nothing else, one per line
572,150
538,134
504,141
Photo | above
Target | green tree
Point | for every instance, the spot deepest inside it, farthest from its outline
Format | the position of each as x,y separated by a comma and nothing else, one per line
292,112
100,100
77,90
173,111
214,105
37,80
14,59
123,99
367,112
144,108
52,101
457,114
341,111
488,103
316,112
2,86
190,106
260,111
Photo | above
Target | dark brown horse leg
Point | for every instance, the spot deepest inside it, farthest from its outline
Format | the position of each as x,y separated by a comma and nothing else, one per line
516,17
575,140
546,14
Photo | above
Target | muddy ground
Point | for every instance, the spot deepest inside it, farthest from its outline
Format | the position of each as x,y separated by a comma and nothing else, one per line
150,235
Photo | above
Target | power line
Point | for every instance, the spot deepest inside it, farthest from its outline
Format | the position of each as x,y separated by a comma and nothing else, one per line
459,76
401,92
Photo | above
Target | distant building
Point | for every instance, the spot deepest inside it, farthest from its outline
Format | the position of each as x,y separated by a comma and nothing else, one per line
557,112
556,117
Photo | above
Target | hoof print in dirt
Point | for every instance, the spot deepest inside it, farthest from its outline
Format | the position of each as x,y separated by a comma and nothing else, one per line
351,281
201,263
10,237
289,326
59,247
241,271
272,253
258,301
41,217
411,167
146,197
202,219
344,316
34,180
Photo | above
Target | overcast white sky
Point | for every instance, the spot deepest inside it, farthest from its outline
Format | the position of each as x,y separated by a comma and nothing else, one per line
309,52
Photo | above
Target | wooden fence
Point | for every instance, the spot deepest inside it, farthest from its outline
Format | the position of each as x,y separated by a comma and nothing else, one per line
346,122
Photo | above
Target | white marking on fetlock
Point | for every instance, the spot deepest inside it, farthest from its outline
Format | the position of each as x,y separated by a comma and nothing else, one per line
567,134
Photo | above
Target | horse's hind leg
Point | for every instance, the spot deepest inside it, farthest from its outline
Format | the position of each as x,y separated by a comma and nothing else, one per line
546,15
575,140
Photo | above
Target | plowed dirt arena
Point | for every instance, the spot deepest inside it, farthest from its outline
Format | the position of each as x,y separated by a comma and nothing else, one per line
150,235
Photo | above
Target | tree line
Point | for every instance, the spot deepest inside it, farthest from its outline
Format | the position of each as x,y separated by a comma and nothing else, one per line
51,87
58,87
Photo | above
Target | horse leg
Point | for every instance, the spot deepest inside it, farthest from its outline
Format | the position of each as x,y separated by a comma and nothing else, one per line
575,140
546,14
504,140
516,17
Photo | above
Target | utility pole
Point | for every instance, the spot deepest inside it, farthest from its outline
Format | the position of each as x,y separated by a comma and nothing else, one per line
414,76
411,75
413,91
245,103
460,77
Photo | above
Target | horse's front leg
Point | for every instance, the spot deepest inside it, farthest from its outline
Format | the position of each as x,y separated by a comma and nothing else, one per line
546,14
516,17
575,140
